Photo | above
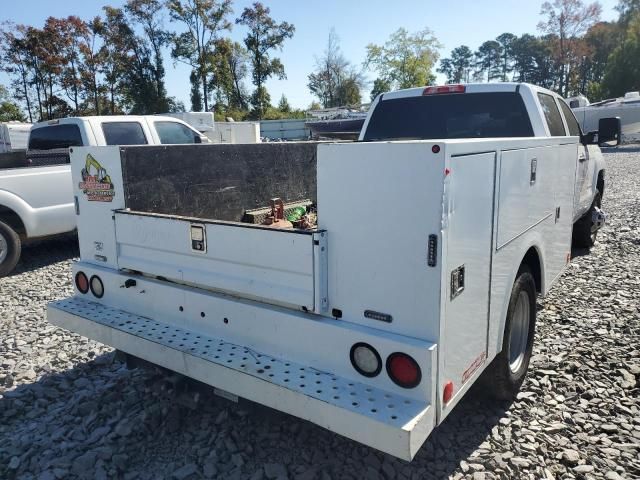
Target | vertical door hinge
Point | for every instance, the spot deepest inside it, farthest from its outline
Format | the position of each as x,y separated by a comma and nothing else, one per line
432,250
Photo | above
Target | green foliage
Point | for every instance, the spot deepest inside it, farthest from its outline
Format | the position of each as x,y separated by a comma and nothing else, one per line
457,69
204,20
380,85
283,105
566,21
489,60
263,36
506,43
196,96
335,81
622,73
405,60
10,111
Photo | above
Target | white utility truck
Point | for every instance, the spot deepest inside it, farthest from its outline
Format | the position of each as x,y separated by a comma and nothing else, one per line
37,200
361,286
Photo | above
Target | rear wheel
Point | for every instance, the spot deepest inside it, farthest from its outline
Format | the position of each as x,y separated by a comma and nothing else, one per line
584,230
9,249
506,373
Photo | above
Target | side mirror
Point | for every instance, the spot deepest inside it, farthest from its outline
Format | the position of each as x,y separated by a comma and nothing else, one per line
609,131
197,139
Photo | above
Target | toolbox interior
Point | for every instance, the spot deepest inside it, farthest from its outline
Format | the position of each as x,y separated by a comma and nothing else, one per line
224,182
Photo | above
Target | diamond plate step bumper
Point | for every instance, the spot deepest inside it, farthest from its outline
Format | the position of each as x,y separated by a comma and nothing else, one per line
383,420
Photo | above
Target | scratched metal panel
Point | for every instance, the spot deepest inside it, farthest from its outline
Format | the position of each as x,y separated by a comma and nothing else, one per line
218,182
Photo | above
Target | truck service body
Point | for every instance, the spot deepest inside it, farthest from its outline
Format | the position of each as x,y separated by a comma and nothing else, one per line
420,274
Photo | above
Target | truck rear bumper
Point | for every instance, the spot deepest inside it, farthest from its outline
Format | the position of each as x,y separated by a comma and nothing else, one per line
384,420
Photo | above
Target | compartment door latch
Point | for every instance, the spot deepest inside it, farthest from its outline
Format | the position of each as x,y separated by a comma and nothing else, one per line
198,238
457,281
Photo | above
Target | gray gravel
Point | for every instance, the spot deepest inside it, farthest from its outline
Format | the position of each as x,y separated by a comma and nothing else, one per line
69,410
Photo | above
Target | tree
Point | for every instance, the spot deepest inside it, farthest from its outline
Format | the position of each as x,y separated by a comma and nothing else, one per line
148,14
335,81
567,20
195,95
92,58
598,44
379,86
489,59
114,66
204,20
14,59
263,36
622,72
8,110
506,42
457,69
405,60
283,104
627,10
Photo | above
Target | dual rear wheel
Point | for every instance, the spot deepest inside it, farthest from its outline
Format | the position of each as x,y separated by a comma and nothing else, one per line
507,371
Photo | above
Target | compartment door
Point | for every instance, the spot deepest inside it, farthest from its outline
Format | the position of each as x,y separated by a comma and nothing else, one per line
281,267
466,273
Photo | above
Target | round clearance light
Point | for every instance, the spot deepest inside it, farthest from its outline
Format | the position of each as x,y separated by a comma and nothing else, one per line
365,359
403,370
97,288
82,282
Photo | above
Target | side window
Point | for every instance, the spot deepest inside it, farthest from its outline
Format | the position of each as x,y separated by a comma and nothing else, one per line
123,133
173,132
572,123
552,114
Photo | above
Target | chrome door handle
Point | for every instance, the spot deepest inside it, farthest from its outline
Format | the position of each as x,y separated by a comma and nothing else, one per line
582,158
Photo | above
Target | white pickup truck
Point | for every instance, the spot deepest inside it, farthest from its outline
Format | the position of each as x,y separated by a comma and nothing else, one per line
361,286
37,201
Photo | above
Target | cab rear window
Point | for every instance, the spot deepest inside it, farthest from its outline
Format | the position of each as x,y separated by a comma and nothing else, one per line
55,136
444,116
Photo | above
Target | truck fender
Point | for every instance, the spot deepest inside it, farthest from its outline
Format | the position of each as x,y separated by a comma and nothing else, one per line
21,208
599,167
532,256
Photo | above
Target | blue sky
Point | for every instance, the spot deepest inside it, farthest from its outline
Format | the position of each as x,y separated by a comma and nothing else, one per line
357,23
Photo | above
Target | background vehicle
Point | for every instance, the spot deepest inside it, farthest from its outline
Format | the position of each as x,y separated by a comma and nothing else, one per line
13,144
627,108
37,201
374,290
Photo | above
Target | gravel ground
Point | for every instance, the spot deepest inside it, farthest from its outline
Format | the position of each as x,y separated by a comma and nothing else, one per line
68,409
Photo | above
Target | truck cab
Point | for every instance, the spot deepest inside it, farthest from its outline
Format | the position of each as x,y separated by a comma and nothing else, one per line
491,111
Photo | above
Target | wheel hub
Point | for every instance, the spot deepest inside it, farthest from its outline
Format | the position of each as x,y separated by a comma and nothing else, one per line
519,335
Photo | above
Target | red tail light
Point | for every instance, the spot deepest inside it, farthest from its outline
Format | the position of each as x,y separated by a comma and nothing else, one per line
403,370
82,282
444,89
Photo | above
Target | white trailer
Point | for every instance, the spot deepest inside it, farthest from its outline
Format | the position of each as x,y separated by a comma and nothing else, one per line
420,274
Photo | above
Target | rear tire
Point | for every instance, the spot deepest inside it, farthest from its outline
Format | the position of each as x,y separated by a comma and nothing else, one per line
505,374
584,232
10,247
